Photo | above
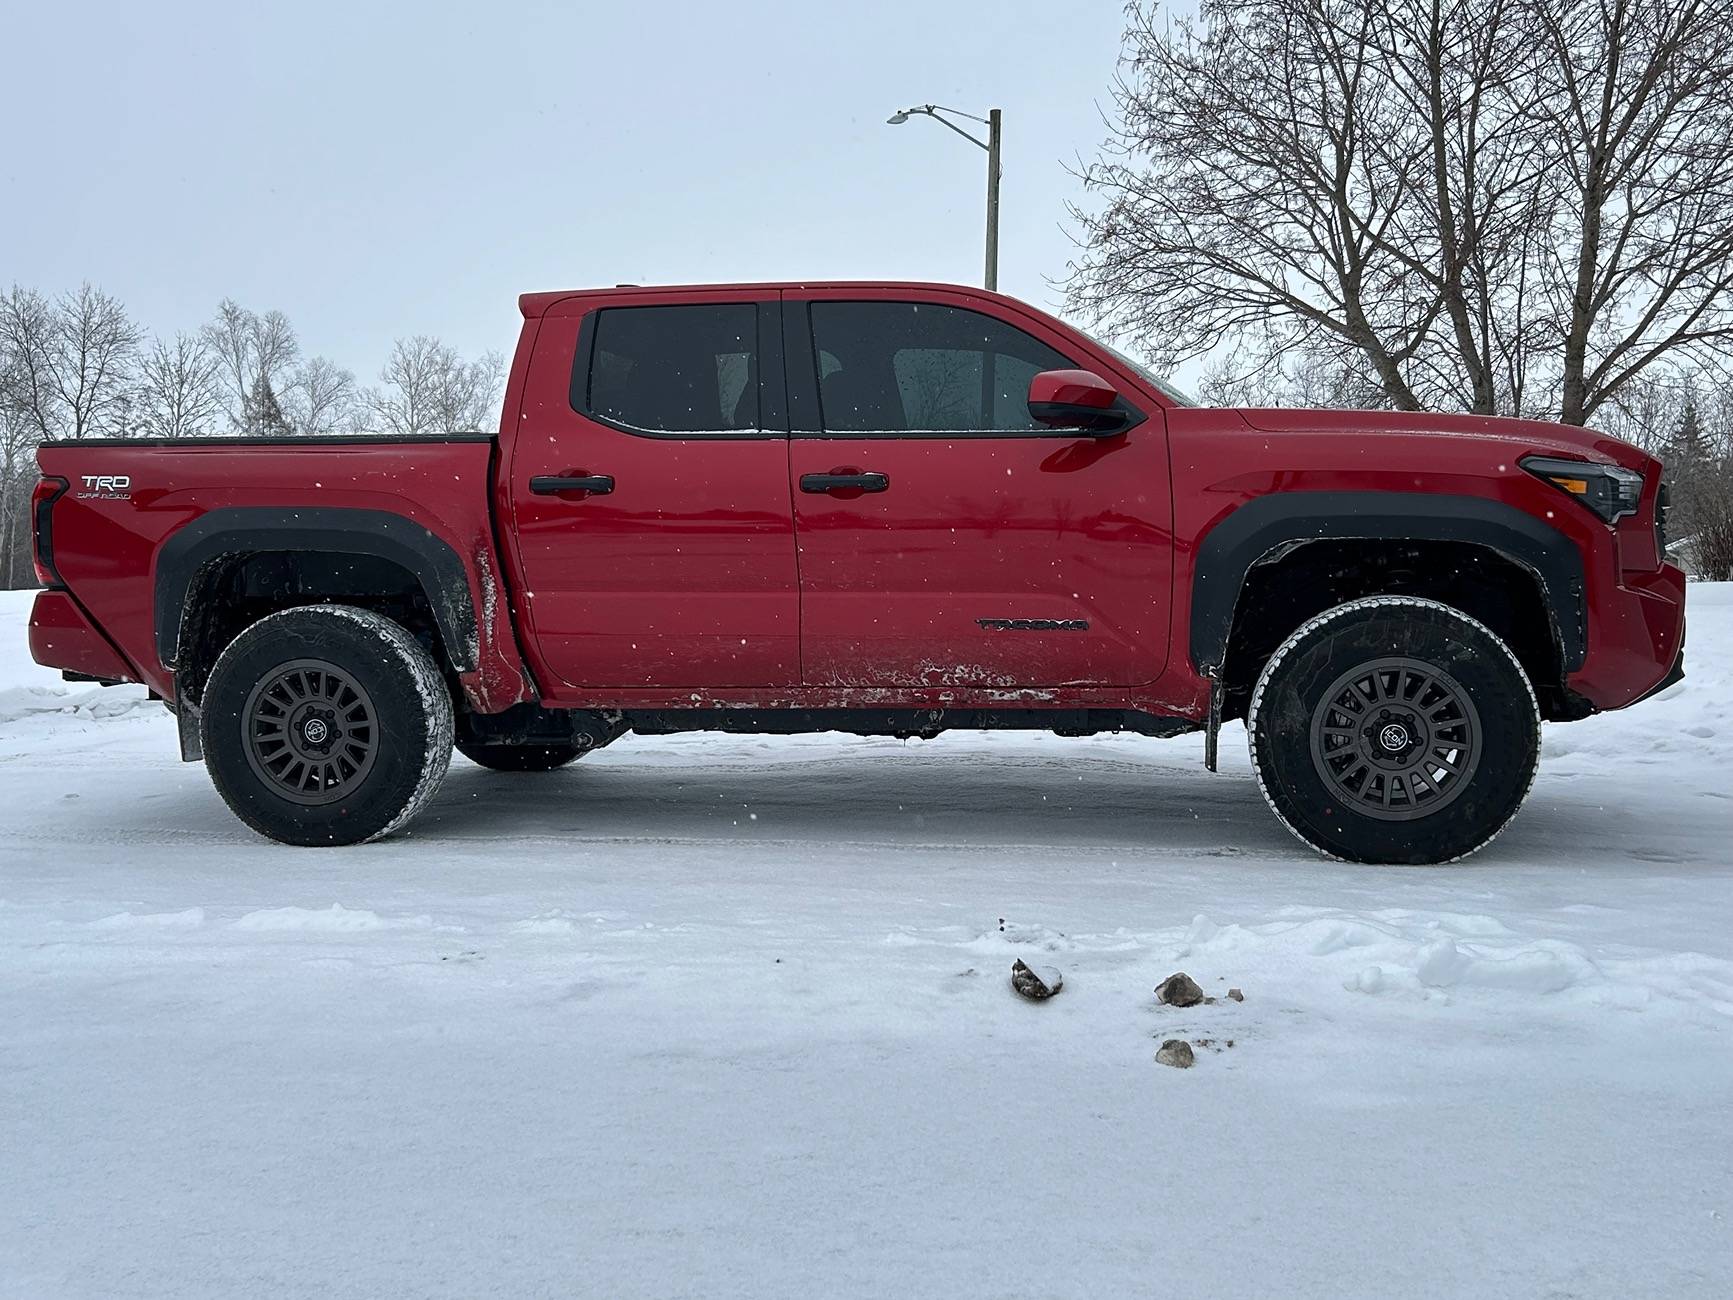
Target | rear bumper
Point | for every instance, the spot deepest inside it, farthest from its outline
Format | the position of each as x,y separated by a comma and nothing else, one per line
1636,639
62,637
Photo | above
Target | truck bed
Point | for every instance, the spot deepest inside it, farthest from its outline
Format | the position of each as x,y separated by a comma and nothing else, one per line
126,521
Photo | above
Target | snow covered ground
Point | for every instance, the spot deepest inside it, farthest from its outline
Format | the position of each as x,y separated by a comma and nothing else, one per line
717,1017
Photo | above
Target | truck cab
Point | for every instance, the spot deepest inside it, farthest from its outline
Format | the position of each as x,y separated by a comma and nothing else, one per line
831,490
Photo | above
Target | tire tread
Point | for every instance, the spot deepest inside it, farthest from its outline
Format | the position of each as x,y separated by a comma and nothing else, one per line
1303,635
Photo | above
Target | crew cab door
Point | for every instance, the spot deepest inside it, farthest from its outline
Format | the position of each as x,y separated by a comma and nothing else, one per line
648,494
946,538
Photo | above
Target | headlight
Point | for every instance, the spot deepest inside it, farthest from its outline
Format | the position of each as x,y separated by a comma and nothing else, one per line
1611,491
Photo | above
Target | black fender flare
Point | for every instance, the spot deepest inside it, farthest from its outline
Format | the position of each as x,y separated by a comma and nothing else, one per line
1273,525
233,530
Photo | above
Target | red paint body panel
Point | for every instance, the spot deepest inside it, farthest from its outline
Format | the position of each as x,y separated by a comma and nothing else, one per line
683,576
1074,387
1635,604
895,585
106,546
706,577
60,635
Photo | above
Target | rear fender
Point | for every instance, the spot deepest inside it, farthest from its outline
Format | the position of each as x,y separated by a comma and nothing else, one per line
481,652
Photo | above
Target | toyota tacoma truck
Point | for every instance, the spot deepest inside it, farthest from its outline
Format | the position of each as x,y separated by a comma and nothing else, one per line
885,509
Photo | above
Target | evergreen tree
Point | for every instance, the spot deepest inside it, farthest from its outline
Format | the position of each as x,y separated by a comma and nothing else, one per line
1690,447
265,412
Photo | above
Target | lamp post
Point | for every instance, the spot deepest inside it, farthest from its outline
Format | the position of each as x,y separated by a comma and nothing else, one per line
991,145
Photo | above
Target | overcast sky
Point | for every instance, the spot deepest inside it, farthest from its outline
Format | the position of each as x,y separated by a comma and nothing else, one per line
380,170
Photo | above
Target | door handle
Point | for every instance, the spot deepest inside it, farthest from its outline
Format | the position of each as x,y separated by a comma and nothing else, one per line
870,481
552,484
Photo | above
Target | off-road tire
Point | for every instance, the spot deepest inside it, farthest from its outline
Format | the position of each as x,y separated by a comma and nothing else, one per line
349,678
519,758
1427,779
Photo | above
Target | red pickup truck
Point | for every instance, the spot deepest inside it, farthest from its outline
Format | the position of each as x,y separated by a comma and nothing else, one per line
887,509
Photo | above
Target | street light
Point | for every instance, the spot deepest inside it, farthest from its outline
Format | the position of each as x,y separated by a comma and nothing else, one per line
991,145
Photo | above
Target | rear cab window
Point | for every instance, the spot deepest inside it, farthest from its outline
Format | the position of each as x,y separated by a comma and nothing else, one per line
682,370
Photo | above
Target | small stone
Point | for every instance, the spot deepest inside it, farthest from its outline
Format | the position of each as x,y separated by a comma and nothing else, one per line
1037,983
1179,990
1177,1053
1236,996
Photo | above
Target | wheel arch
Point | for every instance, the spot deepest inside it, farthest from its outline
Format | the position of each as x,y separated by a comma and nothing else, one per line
299,557
1281,559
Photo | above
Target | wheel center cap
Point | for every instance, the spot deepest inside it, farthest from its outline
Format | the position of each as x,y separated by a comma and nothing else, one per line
315,731
1393,736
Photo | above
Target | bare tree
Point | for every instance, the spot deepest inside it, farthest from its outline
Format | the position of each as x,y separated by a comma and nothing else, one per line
405,404
28,341
250,347
66,371
274,347
94,347
228,339
427,388
465,398
1314,377
18,437
29,412
320,397
1398,178
1639,126
180,393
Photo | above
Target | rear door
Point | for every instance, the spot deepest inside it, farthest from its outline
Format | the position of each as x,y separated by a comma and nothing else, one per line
649,494
945,538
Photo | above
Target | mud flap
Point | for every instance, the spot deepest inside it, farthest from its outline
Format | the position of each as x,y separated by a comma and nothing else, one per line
187,726
1213,727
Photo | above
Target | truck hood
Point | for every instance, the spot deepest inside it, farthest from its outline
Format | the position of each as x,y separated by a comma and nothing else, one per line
1519,435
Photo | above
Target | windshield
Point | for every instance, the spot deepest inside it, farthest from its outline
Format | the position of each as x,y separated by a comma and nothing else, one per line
1166,387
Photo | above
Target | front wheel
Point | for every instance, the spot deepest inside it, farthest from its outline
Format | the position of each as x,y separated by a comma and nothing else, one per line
326,725
1394,729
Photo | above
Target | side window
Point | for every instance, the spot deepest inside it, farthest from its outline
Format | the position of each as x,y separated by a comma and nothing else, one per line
909,367
688,369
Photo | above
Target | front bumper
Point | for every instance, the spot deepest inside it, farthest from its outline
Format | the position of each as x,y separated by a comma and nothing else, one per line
1674,676
1636,639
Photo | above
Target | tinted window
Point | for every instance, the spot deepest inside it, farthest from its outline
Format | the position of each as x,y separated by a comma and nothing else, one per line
686,369
906,367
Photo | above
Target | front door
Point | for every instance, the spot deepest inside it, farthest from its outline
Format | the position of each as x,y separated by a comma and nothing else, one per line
945,538
649,490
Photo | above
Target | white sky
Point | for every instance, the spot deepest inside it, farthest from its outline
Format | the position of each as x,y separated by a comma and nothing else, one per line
377,170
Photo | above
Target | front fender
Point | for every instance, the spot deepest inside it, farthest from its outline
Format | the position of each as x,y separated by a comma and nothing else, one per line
1275,523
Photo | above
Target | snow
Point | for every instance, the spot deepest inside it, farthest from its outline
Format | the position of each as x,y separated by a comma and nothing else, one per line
730,1016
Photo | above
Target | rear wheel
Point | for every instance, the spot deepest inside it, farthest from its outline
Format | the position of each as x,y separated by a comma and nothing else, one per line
326,724
519,758
1394,729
